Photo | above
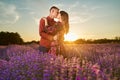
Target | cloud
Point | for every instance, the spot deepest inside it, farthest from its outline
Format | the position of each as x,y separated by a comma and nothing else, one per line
81,17
74,5
96,8
35,9
79,13
8,14
75,16
37,20
84,13
58,5
35,17
74,20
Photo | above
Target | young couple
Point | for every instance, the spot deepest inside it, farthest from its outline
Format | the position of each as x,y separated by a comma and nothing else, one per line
52,29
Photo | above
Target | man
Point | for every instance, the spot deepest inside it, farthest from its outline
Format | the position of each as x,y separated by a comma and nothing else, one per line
46,38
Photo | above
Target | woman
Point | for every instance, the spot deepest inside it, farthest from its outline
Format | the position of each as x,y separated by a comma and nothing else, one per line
57,46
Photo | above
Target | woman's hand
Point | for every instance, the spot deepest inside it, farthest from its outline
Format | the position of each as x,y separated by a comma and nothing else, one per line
55,37
56,19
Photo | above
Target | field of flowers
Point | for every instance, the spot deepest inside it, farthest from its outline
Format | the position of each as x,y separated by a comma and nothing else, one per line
79,62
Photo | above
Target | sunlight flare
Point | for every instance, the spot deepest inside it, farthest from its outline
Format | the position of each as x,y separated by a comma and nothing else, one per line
70,37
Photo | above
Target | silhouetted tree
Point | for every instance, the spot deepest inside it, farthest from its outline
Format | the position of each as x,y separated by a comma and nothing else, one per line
10,38
79,41
100,41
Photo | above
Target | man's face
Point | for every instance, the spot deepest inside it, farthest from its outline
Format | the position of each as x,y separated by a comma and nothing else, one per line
54,13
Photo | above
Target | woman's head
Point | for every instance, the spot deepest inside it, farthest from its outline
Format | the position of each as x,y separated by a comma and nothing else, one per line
64,17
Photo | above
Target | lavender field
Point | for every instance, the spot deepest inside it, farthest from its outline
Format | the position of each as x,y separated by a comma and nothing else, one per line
79,62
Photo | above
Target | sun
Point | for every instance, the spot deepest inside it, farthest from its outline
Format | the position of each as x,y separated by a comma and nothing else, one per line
70,37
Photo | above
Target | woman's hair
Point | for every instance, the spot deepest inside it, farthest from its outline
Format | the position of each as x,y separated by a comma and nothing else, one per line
65,19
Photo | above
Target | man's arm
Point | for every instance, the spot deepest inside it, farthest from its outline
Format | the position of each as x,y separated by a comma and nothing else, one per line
41,31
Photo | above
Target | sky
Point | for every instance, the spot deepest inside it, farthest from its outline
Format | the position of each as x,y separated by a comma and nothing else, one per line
89,19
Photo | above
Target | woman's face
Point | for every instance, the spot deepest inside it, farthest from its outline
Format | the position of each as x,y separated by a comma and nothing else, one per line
59,17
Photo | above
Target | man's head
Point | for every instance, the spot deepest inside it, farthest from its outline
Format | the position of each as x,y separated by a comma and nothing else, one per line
54,11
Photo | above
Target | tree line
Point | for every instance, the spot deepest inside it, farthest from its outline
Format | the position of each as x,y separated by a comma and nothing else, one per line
96,41
7,38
